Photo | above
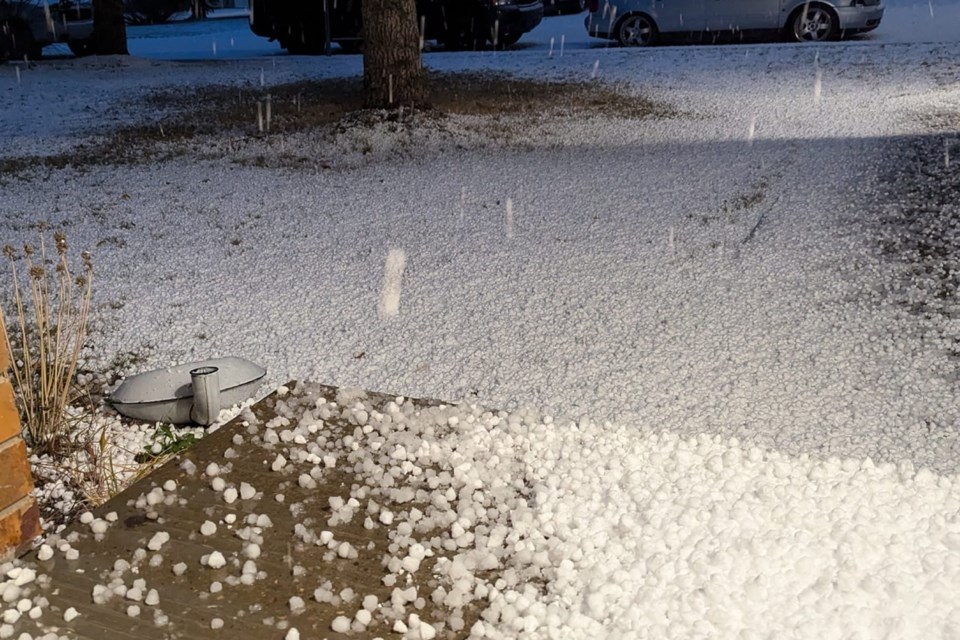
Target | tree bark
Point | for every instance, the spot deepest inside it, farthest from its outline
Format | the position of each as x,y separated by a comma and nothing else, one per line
109,30
392,73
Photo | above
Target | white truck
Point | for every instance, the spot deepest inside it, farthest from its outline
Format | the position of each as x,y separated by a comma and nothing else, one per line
27,26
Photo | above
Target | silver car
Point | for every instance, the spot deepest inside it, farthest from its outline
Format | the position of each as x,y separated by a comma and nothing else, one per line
27,26
644,22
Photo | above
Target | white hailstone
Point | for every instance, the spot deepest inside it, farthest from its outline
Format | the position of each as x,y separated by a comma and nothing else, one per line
340,624
279,497
306,482
229,495
120,565
326,537
152,598
427,632
252,550
215,560
363,617
264,521
170,485
346,550
10,616
208,528
216,587
6,631
189,467
86,517
45,553
179,569
70,614
159,539
135,594
297,605
99,527
155,496
247,491
399,626
133,610
24,605
386,517
230,518
370,602
22,575
11,592
218,484
212,470
72,554
111,517
246,579
278,463
216,623
249,567
156,560
160,619
35,613
292,634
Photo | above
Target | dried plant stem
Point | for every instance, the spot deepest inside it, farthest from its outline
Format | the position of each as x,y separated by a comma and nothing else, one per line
50,331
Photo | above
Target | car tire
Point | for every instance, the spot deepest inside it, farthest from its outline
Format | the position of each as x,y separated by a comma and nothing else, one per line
17,42
812,23
507,40
81,48
636,30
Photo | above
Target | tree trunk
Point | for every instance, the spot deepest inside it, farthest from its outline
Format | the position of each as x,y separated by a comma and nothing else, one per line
109,30
392,74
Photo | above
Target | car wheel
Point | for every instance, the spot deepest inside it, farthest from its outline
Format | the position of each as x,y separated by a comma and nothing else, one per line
81,48
17,42
813,23
507,40
636,30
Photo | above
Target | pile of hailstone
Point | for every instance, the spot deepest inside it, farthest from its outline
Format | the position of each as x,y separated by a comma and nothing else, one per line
513,525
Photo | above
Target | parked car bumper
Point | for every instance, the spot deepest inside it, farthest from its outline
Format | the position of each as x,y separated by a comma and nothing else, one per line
518,18
860,18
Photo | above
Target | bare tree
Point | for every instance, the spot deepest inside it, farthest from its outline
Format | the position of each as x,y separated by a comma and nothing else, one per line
392,72
109,30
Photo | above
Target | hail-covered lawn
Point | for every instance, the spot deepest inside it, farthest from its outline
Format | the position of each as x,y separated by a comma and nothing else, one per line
739,308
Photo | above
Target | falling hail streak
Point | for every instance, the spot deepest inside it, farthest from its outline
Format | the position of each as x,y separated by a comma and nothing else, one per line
214,47
510,218
930,4
262,80
752,131
562,38
550,53
390,89
817,84
946,154
596,66
392,283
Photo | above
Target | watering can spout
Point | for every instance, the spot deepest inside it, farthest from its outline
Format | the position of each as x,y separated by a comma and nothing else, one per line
206,395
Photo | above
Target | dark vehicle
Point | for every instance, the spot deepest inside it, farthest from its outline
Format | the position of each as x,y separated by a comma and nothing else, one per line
307,27
563,7
27,26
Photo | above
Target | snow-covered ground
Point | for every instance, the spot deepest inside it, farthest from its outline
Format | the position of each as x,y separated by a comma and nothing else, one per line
685,289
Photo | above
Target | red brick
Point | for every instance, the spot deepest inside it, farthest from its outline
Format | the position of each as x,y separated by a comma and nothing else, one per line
9,418
15,479
19,526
